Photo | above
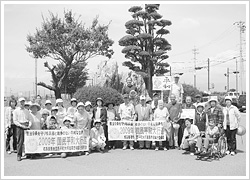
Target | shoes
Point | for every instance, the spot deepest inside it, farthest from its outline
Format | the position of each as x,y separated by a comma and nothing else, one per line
179,148
227,152
191,153
113,147
19,158
124,147
86,153
15,151
140,148
232,153
156,148
165,149
9,152
197,153
186,152
131,147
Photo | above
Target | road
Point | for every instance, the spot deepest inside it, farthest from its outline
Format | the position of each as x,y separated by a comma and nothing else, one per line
131,163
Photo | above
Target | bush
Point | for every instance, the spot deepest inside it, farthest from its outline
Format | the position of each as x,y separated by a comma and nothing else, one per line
91,93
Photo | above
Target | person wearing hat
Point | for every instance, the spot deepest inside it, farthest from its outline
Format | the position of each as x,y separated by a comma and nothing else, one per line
127,113
190,135
44,119
211,133
39,100
27,105
81,118
162,114
97,137
48,105
10,127
61,112
129,86
72,109
36,117
100,112
22,119
200,118
176,88
52,123
214,112
154,103
175,110
197,100
230,124
143,112
133,97
66,123
89,110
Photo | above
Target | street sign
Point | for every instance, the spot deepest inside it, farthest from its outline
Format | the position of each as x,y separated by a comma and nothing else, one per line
161,83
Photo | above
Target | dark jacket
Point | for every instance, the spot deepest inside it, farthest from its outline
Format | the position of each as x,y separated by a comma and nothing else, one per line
103,115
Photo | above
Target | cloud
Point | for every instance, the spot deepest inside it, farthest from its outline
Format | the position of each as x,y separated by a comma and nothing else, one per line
189,23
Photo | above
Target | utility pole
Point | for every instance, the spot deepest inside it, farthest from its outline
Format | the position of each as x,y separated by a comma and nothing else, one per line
227,75
242,27
35,77
195,51
208,71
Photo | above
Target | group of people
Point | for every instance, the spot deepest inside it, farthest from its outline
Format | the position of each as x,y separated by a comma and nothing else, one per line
189,134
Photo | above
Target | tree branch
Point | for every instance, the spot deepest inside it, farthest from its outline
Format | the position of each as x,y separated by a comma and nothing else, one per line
46,86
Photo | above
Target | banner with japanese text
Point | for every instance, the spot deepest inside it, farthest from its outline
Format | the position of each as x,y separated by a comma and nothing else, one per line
47,141
188,113
161,83
138,130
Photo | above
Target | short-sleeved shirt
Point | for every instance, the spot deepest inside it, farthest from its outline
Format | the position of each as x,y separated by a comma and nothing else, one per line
82,120
161,114
126,112
174,110
192,131
143,112
36,121
127,89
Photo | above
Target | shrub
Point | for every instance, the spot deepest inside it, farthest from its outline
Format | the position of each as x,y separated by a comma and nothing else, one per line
91,93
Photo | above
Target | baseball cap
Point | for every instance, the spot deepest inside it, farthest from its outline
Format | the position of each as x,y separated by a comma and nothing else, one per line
48,102
21,99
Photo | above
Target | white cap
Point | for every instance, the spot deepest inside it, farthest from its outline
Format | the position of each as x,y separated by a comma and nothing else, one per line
28,103
176,76
67,118
80,104
229,98
48,102
88,103
73,99
142,97
21,99
59,101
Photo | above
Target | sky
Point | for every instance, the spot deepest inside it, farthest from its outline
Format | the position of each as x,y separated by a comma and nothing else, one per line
207,27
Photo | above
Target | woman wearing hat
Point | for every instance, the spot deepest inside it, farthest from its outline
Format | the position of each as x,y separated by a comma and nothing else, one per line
100,112
36,117
214,112
200,117
61,112
89,110
230,124
72,109
97,137
81,118
48,105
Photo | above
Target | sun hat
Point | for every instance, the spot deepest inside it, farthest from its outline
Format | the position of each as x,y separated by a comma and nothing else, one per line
45,111
200,105
21,99
97,121
99,99
37,105
87,103
229,98
212,99
176,76
108,103
188,119
73,99
80,104
198,96
27,103
59,101
48,102
55,108
67,118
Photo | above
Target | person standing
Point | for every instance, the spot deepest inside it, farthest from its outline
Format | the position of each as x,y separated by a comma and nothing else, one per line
61,112
72,109
201,118
129,86
111,116
36,123
81,118
174,109
89,110
154,103
10,127
214,112
162,114
177,89
48,105
230,124
197,100
143,112
127,113
22,119
100,112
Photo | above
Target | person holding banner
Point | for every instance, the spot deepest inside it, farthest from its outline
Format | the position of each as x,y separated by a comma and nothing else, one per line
143,112
127,113
177,89
97,137
174,109
162,114
22,119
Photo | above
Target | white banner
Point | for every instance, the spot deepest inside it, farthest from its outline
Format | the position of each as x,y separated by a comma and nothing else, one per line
47,141
188,113
138,130
162,83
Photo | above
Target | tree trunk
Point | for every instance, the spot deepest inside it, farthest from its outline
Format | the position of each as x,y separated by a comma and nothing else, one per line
57,93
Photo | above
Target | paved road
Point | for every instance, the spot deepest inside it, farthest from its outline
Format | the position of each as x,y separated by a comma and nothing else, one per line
131,163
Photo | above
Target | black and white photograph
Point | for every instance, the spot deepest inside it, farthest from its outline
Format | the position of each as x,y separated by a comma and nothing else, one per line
124,89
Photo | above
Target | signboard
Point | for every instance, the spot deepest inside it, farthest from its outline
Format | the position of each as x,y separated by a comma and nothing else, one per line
188,113
161,83
47,141
138,130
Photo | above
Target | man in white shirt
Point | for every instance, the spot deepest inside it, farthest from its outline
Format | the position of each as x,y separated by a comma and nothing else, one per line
127,113
22,119
177,89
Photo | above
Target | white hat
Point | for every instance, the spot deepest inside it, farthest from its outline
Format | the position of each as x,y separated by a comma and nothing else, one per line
80,104
176,76
200,104
73,99
37,105
67,118
48,102
28,103
213,99
229,98
59,101
97,121
88,103
54,108
142,97
21,99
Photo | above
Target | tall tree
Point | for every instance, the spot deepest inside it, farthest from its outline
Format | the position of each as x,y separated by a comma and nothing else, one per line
145,45
68,41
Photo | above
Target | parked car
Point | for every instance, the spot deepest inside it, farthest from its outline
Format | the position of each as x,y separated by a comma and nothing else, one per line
242,103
